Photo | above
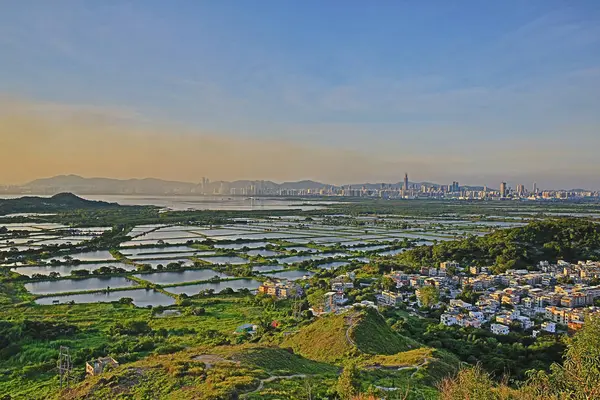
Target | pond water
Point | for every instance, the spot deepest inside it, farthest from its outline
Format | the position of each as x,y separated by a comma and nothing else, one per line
236,285
141,298
156,250
371,248
75,285
65,270
182,203
157,242
266,268
391,252
333,265
263,253
166,261
224,260
160,234
302,249
167,278
237,246
101,255
298,259
54,242
290,275
143,257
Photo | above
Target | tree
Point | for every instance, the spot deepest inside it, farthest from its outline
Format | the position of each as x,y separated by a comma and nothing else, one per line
388,283
577,379
429,295
348,383
317,299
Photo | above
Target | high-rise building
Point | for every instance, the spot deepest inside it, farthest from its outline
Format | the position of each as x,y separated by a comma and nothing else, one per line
405,187
520,190
503,189
535,190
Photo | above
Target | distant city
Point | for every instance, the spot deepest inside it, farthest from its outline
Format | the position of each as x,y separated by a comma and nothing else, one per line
401,190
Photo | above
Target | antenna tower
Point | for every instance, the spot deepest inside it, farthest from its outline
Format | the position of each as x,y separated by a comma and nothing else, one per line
64,366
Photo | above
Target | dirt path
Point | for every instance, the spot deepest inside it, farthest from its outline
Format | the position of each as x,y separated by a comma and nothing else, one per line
271,379
351,322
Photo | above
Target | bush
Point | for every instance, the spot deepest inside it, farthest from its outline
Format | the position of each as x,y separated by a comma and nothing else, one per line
168,349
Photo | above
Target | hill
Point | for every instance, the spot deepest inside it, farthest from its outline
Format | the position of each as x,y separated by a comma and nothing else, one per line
334,338
201,373
569,239
58,202
78,184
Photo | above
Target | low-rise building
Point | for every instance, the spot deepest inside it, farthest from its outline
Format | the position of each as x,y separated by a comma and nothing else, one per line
499,329
387,298
281,289
549,327
98,366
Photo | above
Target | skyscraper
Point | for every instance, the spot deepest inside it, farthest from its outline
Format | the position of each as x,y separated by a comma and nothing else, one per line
534,188
503,189
405,181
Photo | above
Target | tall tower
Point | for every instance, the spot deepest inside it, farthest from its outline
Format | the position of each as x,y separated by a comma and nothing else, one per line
503,189
405,181
534,188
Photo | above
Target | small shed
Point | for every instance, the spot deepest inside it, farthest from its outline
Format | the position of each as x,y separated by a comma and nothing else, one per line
96,367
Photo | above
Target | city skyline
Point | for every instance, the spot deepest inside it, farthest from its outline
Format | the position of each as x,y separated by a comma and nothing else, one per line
475,92
403,187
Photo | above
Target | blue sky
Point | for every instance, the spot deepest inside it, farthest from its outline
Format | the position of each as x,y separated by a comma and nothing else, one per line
479,91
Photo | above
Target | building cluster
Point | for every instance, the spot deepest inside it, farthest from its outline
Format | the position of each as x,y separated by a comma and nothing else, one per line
401,190
554,295
282,289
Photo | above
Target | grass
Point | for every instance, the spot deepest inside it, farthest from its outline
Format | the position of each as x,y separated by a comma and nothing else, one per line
222,316
296,389
277,361
372,335
324,340
403,359
175,376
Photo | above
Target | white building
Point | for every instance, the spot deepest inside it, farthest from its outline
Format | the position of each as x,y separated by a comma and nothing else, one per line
499,329
549,327
448,319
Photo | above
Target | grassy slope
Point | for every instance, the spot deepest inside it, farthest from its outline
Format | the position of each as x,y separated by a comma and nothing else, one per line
93,321
277,361
323,340
373,336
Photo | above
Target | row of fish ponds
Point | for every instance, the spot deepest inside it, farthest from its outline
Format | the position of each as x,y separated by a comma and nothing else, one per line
108,289
155,246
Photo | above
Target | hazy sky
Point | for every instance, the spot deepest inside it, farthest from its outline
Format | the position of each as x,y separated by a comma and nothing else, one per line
338,91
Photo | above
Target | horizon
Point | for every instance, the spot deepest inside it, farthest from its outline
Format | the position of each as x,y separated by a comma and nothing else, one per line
399,182
471,92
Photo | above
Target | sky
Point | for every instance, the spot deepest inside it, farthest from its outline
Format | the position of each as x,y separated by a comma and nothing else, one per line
336,91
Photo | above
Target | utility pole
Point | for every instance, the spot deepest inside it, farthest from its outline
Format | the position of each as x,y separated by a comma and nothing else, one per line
64,366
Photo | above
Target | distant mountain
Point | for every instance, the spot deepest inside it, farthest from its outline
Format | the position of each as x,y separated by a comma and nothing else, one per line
80,185
151,186
59,202
301,185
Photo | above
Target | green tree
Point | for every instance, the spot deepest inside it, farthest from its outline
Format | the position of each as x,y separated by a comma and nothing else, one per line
316,299
429,295
348,383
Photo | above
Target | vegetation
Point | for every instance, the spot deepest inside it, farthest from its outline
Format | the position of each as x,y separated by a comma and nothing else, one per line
578,378
569,239
372,335
323,340
58,202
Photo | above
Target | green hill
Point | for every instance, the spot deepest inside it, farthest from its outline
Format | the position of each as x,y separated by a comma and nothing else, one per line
333,338
58,202
372,335
570,239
